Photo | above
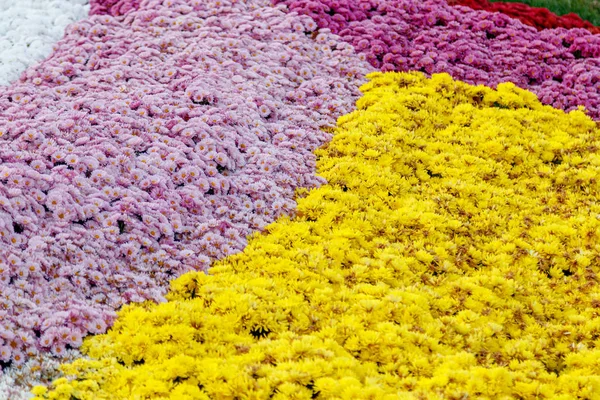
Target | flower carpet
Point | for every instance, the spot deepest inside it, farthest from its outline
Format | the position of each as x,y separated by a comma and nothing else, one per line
301,199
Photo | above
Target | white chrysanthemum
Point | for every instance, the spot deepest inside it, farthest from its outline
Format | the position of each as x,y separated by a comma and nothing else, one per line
15,384
29,28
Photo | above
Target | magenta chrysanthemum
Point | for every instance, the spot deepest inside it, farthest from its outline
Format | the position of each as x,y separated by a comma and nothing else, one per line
561,66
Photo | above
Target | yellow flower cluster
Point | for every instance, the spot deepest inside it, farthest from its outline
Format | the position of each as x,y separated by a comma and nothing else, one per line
454,254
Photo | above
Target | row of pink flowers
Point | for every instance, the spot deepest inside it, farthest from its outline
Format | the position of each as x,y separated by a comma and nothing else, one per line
150,145
561,66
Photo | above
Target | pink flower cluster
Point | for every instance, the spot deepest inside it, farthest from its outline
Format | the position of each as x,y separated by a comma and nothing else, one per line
113,7
561,66
149,146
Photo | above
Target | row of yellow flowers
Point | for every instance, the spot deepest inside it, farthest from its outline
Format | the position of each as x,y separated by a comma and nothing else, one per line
454,253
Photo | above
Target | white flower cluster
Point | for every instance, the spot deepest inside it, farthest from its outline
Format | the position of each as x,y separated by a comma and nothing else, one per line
29,29
16,383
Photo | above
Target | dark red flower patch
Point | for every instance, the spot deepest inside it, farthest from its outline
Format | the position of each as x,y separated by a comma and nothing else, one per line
540,18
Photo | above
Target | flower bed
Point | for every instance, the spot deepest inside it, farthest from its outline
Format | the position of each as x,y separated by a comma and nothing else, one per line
538,17
560,66
452,254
